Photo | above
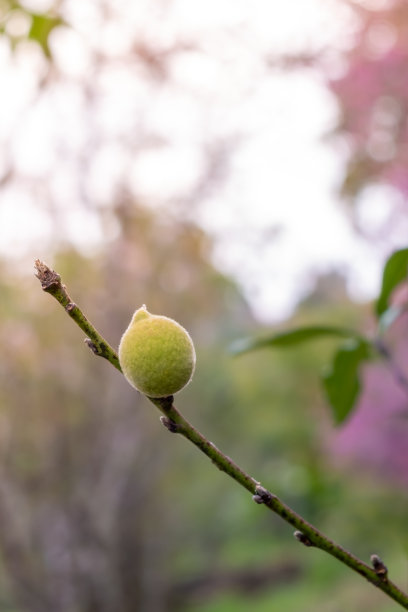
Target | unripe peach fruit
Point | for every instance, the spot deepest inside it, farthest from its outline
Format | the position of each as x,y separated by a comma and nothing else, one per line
156,354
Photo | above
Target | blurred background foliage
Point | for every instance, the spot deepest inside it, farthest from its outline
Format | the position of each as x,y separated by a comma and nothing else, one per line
101,509
372,95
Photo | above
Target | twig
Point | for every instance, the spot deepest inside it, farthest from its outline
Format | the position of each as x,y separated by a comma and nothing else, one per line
396,371
176,423
51,283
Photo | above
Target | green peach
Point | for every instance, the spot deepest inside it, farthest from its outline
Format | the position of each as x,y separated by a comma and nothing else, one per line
156,354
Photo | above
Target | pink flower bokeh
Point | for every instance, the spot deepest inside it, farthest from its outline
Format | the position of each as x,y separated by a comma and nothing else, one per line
375,436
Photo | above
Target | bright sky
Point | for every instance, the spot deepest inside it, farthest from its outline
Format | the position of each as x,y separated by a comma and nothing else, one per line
276,219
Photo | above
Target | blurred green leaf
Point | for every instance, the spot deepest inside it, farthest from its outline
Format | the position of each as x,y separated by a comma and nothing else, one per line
41,28
293,337
395,271
341,382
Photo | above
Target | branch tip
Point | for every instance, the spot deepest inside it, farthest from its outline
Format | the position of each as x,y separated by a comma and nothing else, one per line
46,275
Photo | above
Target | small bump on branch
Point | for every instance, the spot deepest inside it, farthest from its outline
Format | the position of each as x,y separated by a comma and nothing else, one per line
302,538
262,495
169,424
92,346
379,567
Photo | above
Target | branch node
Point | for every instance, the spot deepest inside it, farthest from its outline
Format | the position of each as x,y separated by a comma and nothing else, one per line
164,403
70,307
262,495
92,346
379,567
169,424
302,538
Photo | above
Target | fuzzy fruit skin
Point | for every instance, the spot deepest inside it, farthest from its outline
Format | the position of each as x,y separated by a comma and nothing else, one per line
156,354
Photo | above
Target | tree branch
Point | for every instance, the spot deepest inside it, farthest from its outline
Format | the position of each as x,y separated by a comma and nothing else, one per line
51,283
176,423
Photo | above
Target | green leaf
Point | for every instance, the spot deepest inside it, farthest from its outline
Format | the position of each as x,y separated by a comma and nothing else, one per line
341,382
395,271
41,28
292,338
